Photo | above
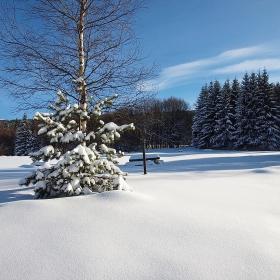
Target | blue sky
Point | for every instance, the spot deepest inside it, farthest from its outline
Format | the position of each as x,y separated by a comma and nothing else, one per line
196,41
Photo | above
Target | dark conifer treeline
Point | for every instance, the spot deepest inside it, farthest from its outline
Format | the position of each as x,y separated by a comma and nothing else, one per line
238,115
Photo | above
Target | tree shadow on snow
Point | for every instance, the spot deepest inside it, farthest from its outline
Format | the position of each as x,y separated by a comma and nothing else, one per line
245,161
227,163
6,174
10,191
12,195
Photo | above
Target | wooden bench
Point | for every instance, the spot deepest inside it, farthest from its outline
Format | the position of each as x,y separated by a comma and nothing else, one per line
139,157
38,163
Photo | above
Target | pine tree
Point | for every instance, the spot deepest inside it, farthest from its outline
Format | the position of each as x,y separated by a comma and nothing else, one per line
206,128
200,118
254,106
223,136
90,166
22,138
267,119
231,109
241,114
204,122
35,142
214,110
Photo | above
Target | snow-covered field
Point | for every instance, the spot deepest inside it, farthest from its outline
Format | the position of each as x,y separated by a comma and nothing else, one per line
201,215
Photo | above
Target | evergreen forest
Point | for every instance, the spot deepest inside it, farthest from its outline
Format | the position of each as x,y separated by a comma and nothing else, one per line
242,116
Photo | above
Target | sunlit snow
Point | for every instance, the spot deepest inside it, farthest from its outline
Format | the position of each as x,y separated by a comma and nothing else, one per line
201,214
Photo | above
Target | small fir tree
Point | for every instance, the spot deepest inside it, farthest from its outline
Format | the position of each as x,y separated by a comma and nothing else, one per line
22,138
90,166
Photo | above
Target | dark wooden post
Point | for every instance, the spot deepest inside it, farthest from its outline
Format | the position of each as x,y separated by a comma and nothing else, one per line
144,157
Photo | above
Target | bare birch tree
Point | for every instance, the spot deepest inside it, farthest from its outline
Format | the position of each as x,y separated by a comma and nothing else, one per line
46,44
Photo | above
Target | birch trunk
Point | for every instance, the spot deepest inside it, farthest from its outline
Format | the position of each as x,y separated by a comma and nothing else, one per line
82,84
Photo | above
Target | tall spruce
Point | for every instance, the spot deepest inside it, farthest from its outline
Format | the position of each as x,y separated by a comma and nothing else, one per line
253,109
241,114
223,130
214,109
201,127
199,116
209,110
231,108
267,115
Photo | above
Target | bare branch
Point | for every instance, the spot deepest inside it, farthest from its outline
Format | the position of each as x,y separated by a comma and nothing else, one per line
46,44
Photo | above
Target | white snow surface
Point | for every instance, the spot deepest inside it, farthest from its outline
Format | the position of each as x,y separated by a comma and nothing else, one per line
202,214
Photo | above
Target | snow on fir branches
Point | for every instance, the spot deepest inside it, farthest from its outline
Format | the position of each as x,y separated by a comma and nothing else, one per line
90,166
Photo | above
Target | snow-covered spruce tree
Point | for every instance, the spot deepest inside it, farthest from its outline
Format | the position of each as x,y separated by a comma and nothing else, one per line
208,128
232,107
241,114
90,166
223,128
207,120
267,116
254,108
199,117
23,143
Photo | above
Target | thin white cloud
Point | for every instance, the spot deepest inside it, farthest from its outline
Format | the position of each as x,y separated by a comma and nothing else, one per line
250,65
229,62
242,52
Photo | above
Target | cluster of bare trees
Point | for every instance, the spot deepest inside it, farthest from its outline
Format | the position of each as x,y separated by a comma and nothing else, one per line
8,130
159,124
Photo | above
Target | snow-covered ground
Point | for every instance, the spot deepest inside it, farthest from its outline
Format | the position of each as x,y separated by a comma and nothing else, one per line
201,214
